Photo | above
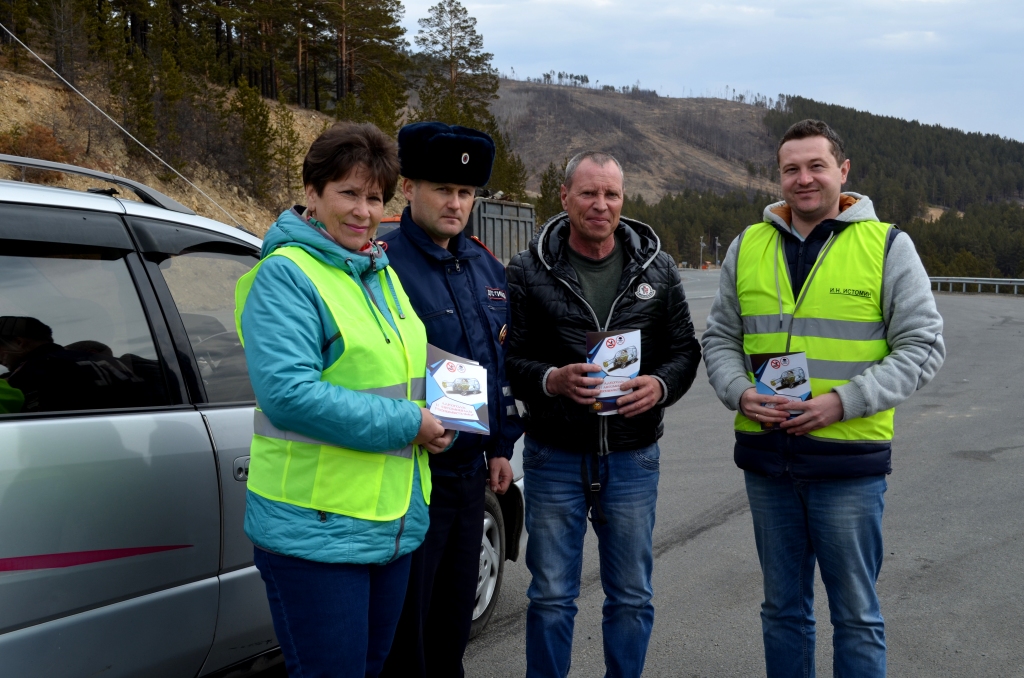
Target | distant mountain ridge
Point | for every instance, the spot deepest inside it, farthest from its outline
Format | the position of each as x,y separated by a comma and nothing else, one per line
665,145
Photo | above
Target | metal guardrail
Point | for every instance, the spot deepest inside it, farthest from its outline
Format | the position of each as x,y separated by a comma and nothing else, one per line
1015,283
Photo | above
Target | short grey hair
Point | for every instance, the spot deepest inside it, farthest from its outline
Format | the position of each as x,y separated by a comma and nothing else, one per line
597,157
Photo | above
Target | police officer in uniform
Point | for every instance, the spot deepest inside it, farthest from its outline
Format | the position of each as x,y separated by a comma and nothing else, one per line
457,288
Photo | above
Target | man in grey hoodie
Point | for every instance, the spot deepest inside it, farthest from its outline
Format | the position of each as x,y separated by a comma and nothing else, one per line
824,277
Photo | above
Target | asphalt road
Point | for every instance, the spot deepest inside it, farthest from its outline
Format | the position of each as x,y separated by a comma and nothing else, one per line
952,586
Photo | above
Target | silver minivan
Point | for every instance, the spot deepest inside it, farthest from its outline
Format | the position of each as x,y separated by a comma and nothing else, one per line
125,421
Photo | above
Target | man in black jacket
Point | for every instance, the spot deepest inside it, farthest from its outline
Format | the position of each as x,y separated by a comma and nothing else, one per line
589,270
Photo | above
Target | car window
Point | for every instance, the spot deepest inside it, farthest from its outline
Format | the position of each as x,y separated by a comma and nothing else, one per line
203,287
200,268
73,334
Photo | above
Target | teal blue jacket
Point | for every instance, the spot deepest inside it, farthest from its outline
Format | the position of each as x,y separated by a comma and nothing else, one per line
287,327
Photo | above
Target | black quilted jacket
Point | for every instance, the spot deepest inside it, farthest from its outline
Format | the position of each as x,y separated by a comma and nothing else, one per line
550,320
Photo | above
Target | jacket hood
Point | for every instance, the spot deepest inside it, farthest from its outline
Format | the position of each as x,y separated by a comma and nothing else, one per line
292,230
853,207
640,243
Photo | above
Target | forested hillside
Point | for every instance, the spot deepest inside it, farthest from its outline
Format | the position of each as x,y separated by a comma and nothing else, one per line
231,92
905,166
911,171
214,85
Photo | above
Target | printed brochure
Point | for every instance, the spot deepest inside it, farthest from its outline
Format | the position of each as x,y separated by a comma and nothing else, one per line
457,391
785,375
618,354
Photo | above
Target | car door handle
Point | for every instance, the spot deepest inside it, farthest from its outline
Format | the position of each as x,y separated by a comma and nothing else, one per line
240,469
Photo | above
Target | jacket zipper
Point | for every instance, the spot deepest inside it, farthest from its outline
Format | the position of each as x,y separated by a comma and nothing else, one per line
822,253
602,423
398,537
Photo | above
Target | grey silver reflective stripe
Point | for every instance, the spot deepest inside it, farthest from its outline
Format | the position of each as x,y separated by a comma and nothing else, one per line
262,426
765,324
838,370
853,330
419,388
396,391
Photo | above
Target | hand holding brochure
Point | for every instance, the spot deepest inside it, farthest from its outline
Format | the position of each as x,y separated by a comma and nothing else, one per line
618,354
457,391
785,375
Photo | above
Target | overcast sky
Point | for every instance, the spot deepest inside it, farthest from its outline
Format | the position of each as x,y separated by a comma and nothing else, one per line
958,63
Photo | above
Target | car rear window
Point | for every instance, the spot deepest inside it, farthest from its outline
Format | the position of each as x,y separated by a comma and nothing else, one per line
73,334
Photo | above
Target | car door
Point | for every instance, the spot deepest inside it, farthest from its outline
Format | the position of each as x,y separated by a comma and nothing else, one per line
194,272
109,505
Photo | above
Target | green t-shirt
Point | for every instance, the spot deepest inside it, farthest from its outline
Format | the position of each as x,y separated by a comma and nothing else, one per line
599,279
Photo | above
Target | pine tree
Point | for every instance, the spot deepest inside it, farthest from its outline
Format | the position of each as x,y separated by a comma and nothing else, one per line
287,147
171,92
257,136
550,202
509,173
461,82
382,99
137,101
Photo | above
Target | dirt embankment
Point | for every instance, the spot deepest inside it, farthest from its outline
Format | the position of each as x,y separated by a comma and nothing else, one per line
92,141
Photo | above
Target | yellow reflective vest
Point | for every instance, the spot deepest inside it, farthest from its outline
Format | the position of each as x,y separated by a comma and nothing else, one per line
11,399
292,468
837,318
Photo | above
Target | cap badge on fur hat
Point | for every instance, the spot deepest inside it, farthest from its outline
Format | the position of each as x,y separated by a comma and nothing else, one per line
445,154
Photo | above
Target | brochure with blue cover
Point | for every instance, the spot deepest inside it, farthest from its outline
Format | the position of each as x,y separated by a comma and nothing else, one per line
457,391
786,375
618,356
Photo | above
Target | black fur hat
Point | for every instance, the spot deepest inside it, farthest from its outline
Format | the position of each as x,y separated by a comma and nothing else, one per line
445,154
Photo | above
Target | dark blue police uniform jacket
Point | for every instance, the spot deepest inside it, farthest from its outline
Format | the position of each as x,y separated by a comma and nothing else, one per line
460,295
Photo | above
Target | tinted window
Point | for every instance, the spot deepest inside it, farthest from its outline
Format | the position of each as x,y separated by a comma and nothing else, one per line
203,287
201,268
73,335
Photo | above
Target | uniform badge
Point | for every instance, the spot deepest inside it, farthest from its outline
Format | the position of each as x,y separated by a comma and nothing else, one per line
644,291
465,158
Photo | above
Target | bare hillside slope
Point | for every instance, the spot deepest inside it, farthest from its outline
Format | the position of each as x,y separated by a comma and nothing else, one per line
665,144
92,142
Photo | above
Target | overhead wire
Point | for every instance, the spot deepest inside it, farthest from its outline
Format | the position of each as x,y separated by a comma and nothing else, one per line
127,133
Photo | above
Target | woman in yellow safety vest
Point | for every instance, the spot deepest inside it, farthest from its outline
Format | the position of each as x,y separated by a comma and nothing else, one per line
338,477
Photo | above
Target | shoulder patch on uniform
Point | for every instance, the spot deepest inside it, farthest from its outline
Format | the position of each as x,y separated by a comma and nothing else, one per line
480,242
644,291
496,294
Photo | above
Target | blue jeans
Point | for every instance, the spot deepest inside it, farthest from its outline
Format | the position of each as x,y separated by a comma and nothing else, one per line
333,620
837,523
556,520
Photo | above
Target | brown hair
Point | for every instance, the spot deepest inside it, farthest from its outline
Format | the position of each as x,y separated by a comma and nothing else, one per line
814,128
344,147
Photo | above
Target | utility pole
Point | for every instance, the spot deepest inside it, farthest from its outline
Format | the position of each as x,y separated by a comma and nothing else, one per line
717,262
700,260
